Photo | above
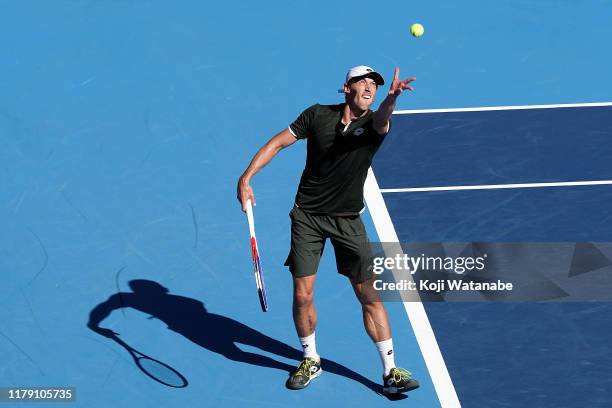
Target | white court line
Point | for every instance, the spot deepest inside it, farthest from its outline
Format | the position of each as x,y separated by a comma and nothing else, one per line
497,186
498,108
416,312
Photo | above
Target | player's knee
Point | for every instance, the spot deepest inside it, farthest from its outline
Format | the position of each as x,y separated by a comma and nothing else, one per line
373,307
366,294
303,297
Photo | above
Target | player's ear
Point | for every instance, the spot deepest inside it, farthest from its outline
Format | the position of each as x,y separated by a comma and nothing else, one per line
346,89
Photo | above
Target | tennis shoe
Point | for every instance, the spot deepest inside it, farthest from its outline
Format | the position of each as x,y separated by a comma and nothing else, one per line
399,380
308,369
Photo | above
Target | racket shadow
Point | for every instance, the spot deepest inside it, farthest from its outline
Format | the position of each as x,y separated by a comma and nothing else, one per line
153,368
214,332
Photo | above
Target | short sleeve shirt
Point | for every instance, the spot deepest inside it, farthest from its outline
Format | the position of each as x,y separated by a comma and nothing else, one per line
337,160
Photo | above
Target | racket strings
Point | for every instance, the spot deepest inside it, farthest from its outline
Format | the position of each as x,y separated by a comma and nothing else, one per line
161,372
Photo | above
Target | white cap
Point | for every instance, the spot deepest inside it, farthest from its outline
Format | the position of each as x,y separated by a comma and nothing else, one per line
363,71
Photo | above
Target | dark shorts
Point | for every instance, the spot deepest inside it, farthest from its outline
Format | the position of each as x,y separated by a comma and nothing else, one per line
347,235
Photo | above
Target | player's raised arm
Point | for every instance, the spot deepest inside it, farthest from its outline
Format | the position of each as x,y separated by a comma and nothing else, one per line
386,108
262,157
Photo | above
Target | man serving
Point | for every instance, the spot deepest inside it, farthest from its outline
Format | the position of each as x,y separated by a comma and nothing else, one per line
341,142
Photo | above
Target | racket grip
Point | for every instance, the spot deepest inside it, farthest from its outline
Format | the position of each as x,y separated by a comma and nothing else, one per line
250,219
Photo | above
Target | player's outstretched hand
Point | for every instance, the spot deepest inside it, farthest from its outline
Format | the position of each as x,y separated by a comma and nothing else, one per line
397,86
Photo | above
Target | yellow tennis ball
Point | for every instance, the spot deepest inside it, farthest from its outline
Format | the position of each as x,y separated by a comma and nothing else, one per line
417,30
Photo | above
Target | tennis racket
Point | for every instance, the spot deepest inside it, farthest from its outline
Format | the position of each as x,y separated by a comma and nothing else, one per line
261,287
155,369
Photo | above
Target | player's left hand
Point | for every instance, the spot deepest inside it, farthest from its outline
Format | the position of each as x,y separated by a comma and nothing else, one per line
105,332
397,86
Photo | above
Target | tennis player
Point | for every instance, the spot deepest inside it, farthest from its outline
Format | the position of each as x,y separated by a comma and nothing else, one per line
341,142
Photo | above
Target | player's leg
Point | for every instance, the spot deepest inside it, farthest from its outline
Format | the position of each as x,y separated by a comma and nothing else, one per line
354,260
375,318
376,322
304,312
307,242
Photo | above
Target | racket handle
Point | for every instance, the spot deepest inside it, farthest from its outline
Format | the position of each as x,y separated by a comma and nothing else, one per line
250,219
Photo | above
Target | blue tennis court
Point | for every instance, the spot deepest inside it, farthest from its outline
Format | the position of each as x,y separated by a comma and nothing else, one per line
125,125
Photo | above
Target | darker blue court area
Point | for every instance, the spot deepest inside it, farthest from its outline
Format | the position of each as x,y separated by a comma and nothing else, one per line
545,214
497,147
516,354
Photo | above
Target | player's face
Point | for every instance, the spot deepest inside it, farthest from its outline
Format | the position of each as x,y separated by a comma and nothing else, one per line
361,92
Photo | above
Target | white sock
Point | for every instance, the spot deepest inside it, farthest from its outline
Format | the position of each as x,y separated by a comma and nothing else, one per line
385,349
309,346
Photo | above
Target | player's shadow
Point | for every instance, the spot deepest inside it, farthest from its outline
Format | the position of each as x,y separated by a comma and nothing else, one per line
215,332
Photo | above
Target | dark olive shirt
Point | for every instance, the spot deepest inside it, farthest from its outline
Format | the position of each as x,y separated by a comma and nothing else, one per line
337,161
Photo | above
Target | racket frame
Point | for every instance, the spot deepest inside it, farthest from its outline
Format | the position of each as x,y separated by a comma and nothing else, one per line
258,271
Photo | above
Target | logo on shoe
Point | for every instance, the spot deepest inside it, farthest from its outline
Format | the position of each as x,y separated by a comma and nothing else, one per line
314,369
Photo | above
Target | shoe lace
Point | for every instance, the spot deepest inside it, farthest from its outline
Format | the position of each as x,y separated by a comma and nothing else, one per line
304,368
399,375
